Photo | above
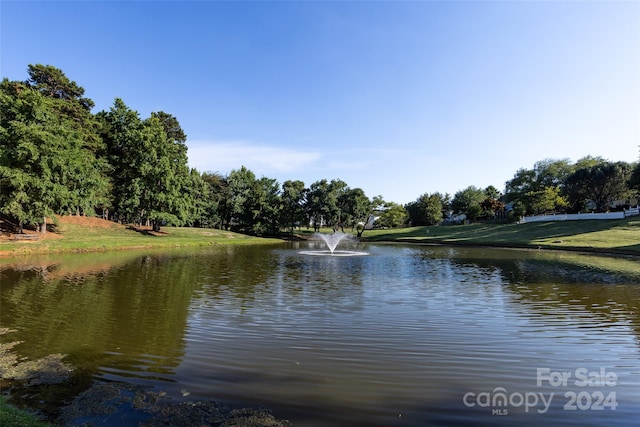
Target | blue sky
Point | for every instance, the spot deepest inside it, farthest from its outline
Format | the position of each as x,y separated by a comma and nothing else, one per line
397,98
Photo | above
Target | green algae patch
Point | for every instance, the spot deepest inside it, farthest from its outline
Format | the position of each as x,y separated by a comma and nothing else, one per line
10,416
49,369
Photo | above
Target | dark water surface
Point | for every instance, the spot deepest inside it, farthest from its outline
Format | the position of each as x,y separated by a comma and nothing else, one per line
405,336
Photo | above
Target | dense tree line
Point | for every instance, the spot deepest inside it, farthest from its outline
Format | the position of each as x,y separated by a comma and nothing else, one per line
559,186
590,184
57,157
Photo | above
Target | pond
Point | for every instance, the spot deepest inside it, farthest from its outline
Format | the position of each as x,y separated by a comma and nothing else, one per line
404,335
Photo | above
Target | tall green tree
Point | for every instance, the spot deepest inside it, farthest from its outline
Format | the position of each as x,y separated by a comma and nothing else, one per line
318,204
355,207
265,206
600,184
48,160
293,199
122,131
27,154
426,210
199,196
165,177
70,103
468,202
85,172
217,189
529,187
151,174
336,213
238,198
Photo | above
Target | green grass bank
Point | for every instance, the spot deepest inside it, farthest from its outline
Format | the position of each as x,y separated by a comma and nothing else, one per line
620,236
82,234
91,234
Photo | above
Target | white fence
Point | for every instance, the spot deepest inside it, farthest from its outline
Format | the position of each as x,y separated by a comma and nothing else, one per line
581,216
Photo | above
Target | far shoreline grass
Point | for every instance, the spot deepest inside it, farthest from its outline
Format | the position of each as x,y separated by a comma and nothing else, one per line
612,237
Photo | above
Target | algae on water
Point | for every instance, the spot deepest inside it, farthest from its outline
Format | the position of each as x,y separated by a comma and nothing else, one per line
49,369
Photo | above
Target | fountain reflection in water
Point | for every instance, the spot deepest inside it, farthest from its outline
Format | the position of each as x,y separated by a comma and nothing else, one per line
332,241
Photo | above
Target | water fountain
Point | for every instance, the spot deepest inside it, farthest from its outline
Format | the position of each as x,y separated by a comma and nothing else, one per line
332,241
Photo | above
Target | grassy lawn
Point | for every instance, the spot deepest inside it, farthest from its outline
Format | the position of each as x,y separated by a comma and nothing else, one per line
100,235
615,236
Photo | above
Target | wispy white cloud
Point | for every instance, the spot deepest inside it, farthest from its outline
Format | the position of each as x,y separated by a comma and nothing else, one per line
222,156
346,164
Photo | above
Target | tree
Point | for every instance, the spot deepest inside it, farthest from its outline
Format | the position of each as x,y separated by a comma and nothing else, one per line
588,162
490,207
492,192
25,187
468,202
518,211
53,83
433,209
552,173
151,175
550,199
529,187
634,179
122,131
317,204
265,206
356,209
165,177
217,190
416,213
335,211
237,201
171,127
199,193
85,170
426,210
69,103
521,188
47,162
600,184
391,215
293,200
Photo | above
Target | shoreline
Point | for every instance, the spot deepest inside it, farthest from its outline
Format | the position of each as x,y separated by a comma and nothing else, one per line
609,252
590,250
74,234
574,249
